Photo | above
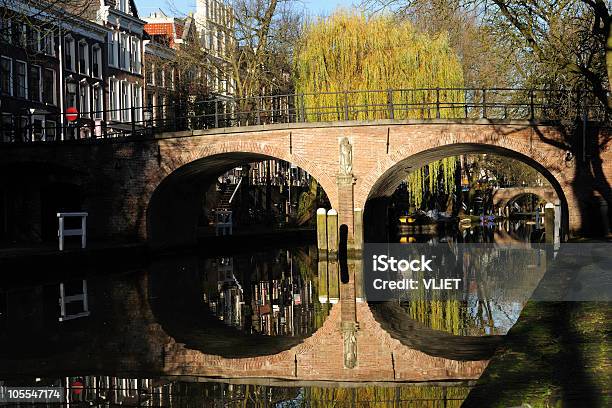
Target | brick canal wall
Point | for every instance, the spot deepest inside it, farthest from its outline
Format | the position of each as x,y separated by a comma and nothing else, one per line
151,189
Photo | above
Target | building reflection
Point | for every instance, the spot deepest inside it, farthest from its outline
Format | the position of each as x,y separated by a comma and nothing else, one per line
107,391
274,296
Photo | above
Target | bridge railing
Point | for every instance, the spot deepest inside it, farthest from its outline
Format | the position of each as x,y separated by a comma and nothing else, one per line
410,104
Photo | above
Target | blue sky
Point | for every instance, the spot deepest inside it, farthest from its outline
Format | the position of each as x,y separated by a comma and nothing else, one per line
178,7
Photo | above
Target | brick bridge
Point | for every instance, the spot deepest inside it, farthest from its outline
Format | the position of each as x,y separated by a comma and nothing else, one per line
504,196
150,188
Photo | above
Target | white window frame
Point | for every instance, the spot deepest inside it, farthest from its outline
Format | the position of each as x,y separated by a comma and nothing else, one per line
25,64
113,99
137,101
72,51
98,94
10,90
113,46
125,101
85,59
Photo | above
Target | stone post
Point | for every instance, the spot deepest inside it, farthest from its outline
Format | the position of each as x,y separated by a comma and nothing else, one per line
332,233
358,232
322,232
549,223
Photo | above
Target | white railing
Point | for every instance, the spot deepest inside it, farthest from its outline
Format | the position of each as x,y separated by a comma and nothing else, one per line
62,232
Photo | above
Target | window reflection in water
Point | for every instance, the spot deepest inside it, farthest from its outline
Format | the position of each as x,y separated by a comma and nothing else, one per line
274,295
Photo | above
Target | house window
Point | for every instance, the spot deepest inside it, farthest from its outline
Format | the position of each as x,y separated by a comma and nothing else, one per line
19,34
112,49
171,79
135,55
150,68
124,52
35,85
137,102
5,30
97,101
50,130
71,94
113,98
49,86
84,98
159,77
47,42
125,101
97,61
124,6
69,53
6,81
83,58
21,77
7,128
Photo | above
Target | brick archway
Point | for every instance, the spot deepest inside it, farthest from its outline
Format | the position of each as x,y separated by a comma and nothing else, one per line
187,165
505,196
399,163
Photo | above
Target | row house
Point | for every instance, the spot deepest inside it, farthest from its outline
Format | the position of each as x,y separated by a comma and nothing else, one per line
46,65
125,61
52,60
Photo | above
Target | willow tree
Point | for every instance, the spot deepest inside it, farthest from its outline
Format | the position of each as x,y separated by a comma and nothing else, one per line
347,52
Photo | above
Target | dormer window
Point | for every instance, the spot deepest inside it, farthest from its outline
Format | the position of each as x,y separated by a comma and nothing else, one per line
124,6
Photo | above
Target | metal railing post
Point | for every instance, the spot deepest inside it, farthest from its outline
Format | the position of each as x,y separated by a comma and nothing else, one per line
437,103
531,107
258,104
303,107
346,108
133,118
216,114
390,107
484,103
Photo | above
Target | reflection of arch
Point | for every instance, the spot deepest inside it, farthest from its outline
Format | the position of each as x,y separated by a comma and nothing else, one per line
174,205
395,321
383,182
176,289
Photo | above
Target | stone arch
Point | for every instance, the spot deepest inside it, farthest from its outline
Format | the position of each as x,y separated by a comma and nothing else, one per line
382,181
185,170
505,197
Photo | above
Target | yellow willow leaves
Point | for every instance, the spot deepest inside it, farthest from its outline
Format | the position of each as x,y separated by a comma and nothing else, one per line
429,178
348,53
341,57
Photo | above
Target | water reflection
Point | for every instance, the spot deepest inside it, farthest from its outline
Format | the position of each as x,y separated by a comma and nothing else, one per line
274,294
491,310
106,391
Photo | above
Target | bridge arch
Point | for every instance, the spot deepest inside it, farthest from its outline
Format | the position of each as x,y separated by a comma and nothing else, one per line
383,181
506,196
174,203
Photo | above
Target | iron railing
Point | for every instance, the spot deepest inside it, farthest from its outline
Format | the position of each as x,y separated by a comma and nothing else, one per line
426,104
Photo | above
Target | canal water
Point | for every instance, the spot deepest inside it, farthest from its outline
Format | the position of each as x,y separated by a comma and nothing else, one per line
99,333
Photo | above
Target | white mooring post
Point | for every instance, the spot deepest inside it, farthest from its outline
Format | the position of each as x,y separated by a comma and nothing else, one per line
63,233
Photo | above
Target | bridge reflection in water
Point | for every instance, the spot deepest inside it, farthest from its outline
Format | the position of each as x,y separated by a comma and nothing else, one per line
275,323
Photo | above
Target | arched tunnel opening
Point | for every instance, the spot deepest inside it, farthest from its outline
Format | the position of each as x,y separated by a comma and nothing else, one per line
455,192
462,194
232,193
